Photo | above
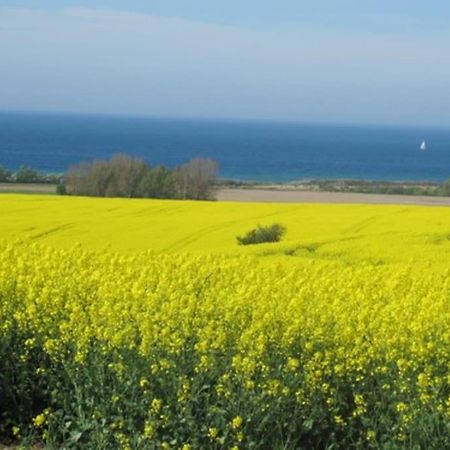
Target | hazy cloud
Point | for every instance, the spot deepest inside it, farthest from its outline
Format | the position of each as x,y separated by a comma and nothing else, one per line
111,61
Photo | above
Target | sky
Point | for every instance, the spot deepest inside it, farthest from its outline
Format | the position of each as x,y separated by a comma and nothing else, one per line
316,61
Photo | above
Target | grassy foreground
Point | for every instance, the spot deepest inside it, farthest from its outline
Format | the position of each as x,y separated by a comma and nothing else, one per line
149,346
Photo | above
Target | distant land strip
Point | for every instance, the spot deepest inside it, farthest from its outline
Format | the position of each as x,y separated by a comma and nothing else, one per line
272,195
300,196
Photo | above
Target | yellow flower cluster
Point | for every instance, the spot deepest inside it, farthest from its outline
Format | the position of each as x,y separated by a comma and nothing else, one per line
342,317
322,322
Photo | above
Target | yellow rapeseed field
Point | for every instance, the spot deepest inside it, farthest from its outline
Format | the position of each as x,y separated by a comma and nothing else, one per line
142,324
348,233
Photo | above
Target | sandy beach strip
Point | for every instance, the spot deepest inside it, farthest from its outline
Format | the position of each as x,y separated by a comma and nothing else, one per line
291,196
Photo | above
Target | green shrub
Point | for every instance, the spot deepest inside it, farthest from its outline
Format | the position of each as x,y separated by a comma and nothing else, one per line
445,189
260,234
61,188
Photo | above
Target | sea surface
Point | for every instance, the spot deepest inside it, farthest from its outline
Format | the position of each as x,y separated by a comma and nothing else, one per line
245,150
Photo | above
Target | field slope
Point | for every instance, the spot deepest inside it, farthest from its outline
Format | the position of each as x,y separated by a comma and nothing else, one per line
348,233
141,324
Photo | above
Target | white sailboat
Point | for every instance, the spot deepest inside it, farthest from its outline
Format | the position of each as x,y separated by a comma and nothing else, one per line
423,145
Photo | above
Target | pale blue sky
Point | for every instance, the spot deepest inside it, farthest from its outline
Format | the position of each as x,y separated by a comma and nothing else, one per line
323,60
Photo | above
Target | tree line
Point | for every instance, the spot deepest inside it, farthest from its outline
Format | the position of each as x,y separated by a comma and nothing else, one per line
27,174
125,176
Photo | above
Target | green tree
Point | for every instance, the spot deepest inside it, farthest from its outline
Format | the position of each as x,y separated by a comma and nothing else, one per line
27,174
196,179
5,175
157,183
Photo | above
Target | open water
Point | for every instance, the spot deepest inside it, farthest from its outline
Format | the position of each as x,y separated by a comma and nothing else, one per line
245,150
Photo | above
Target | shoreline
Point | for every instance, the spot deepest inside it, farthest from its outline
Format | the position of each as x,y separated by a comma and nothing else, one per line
403,187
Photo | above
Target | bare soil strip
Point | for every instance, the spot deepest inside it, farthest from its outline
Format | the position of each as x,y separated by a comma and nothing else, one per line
274,195
28,188
291,196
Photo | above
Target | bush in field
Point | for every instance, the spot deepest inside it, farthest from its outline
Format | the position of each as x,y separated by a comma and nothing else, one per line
259,235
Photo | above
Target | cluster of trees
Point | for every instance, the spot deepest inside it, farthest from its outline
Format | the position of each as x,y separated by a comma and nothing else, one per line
125,176
27,174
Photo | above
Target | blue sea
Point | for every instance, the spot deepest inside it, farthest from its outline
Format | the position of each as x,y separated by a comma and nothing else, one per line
245,150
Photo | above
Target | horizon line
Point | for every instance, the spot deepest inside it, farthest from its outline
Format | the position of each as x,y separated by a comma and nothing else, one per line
136,115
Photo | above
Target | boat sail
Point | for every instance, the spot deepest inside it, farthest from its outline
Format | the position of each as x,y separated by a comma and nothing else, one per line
423,145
